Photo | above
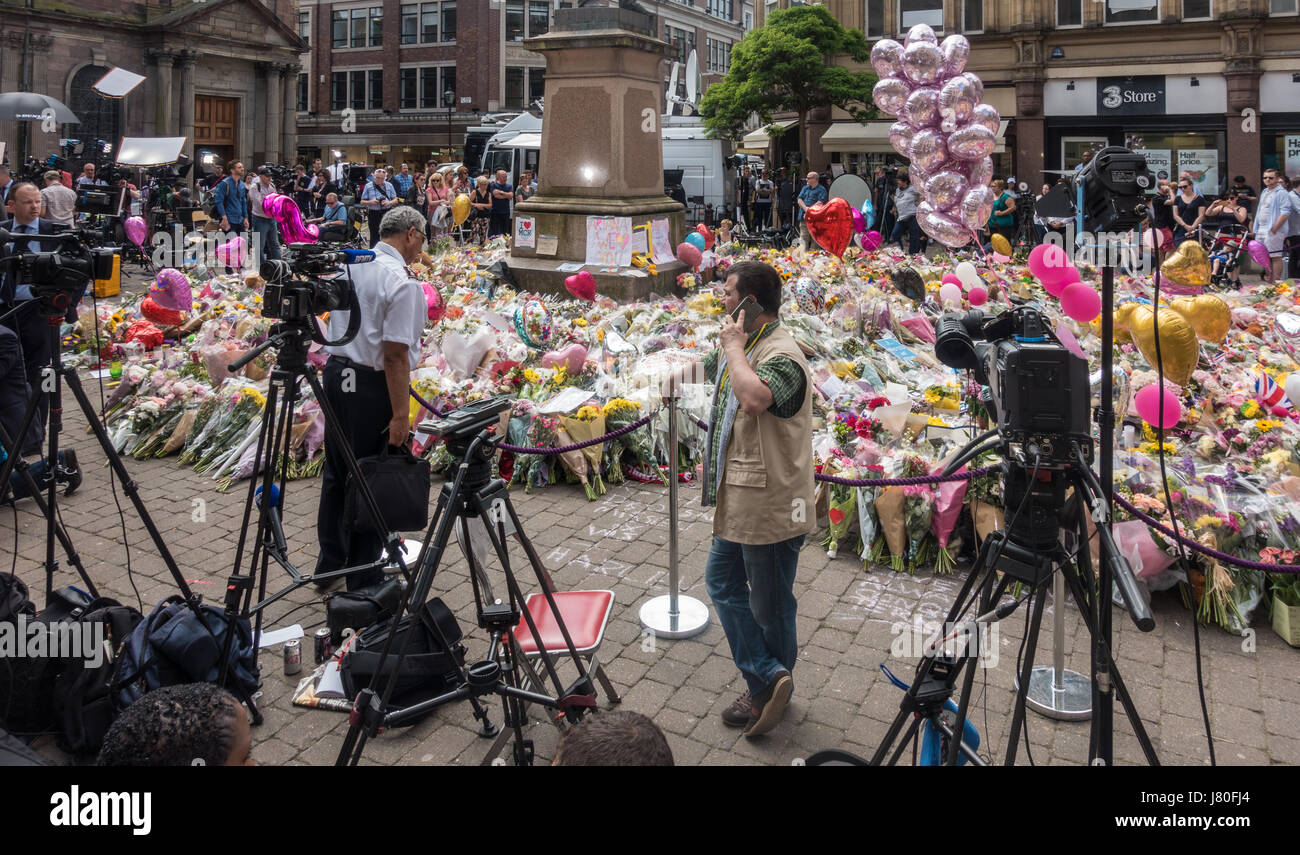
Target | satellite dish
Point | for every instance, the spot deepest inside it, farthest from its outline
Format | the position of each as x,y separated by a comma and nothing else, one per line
671,95
851,189
692,78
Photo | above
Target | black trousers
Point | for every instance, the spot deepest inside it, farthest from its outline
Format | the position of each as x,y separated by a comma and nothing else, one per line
375,218
358,397
33,333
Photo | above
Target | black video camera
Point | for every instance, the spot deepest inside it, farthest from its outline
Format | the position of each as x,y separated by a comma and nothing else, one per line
1115,184
312,283
1038,388
58,278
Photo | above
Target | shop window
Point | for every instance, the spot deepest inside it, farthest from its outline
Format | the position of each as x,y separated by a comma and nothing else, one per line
1132,11
449,22
913,12
1069,13
972,16
875,18
410,88
539,17
515,88
515,20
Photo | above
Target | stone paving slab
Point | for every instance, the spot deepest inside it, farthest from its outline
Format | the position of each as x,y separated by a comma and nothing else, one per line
850,621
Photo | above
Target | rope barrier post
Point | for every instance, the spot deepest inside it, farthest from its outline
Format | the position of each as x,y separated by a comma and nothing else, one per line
672,615
1054,691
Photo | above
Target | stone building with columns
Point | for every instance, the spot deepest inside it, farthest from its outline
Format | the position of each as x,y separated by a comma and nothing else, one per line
222,73
1210,86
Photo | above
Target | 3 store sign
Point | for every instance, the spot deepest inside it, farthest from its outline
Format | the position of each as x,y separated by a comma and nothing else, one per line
1128,96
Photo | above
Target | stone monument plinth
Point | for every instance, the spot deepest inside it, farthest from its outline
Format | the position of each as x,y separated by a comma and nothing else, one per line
602,150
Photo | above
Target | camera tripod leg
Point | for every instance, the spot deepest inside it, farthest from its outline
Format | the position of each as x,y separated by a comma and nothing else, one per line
33,489
1026,672
1086,604
417,592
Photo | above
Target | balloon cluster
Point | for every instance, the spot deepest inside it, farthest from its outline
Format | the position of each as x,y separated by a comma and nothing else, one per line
966,279
1051,266
691,250
943,128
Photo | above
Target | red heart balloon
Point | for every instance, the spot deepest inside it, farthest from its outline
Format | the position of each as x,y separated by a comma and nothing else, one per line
581,285
707,234
831,225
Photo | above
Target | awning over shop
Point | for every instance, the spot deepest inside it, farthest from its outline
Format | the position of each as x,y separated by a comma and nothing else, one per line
873,137
758,139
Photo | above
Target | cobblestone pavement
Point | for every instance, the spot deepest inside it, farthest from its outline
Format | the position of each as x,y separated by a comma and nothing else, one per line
848,620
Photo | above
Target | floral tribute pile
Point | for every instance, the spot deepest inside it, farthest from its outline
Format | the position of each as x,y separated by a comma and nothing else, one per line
885,407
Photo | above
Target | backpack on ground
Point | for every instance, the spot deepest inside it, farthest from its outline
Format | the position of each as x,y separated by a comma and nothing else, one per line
26,683
171,647
82,697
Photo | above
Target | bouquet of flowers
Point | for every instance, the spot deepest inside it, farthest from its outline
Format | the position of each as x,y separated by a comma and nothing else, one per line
619,413
587,424
948,496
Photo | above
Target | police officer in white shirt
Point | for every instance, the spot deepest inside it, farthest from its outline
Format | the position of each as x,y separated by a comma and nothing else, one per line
367,382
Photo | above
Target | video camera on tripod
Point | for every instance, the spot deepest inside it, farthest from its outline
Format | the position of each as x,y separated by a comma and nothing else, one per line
1038,388
312,283
58,278
1109,192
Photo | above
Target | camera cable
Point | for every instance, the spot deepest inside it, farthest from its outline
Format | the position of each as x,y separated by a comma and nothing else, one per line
112,477
1173,522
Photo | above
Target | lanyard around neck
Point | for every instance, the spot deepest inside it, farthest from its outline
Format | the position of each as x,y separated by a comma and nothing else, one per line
748,350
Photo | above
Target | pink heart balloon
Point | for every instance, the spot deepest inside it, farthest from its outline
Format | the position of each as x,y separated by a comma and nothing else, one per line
583,285
433,299
572,358
136,229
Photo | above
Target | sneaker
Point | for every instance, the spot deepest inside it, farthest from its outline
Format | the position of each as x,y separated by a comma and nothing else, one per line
740,713
769,707
69,472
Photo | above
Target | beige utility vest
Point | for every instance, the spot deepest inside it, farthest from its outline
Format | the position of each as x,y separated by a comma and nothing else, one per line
766,494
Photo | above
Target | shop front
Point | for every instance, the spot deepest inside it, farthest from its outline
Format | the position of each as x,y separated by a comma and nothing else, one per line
1179,121
1279,97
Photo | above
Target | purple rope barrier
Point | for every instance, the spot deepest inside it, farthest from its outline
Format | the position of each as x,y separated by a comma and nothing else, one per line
577,445
904,482
424,403
1201,548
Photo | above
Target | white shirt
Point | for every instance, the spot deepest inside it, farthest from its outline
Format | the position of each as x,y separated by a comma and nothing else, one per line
60,203
392,307
24,292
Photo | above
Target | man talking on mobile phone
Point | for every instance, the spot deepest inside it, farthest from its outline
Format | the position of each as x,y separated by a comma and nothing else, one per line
760,479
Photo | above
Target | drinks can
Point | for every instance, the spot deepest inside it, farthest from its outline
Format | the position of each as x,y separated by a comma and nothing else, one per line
324,646
292,657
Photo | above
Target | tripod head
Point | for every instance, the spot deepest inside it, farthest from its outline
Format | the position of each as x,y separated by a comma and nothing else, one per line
467,432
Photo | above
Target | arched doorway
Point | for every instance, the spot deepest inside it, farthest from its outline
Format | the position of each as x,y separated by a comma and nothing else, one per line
101,118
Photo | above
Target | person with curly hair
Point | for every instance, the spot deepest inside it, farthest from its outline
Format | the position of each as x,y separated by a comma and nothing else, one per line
619,738
193,724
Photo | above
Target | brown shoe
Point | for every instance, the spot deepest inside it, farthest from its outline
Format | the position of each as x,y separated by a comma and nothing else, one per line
741,711
769,707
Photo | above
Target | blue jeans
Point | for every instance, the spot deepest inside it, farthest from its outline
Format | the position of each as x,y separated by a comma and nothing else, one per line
910,227
752,588
38,469
269,234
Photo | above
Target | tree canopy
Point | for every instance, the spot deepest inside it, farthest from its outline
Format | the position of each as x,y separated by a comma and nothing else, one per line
785,66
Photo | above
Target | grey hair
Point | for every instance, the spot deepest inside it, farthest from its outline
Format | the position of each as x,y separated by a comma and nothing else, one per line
399,220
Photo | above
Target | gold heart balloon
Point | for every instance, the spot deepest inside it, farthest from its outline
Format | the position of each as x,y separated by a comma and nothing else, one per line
1188,266
1000,244
1208,315
1179,349
1123,322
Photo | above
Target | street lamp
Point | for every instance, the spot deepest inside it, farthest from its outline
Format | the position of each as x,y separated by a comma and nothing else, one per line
449,101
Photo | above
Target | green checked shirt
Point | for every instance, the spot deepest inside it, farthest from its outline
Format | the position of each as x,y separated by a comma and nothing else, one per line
782,376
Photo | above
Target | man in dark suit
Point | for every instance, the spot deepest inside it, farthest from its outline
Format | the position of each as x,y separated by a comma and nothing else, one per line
17,304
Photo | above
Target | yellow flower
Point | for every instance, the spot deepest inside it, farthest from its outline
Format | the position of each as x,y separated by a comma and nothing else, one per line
588,413
600,335
936,421
532,376
1207,521
256,396
1250,409
619,405
1266,425
579,322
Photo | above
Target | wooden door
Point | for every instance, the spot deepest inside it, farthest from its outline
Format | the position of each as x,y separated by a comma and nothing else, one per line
216,121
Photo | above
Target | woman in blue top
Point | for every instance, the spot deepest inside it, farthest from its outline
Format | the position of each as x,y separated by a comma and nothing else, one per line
1003,219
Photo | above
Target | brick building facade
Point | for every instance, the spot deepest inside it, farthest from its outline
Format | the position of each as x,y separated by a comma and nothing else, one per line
375,84
222,73
1211,84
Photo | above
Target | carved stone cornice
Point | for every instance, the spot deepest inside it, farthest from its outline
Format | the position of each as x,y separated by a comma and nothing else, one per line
39,42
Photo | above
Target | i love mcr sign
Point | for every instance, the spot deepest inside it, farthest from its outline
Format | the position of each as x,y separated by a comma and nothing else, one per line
1131,96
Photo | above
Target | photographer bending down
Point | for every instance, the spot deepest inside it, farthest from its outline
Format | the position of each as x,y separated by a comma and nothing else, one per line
760,471
367,381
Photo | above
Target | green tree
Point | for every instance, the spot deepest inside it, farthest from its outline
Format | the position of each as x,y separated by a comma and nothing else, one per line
787,66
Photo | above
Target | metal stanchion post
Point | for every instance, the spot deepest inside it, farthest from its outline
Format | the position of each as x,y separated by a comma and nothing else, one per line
1054,691
672,615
